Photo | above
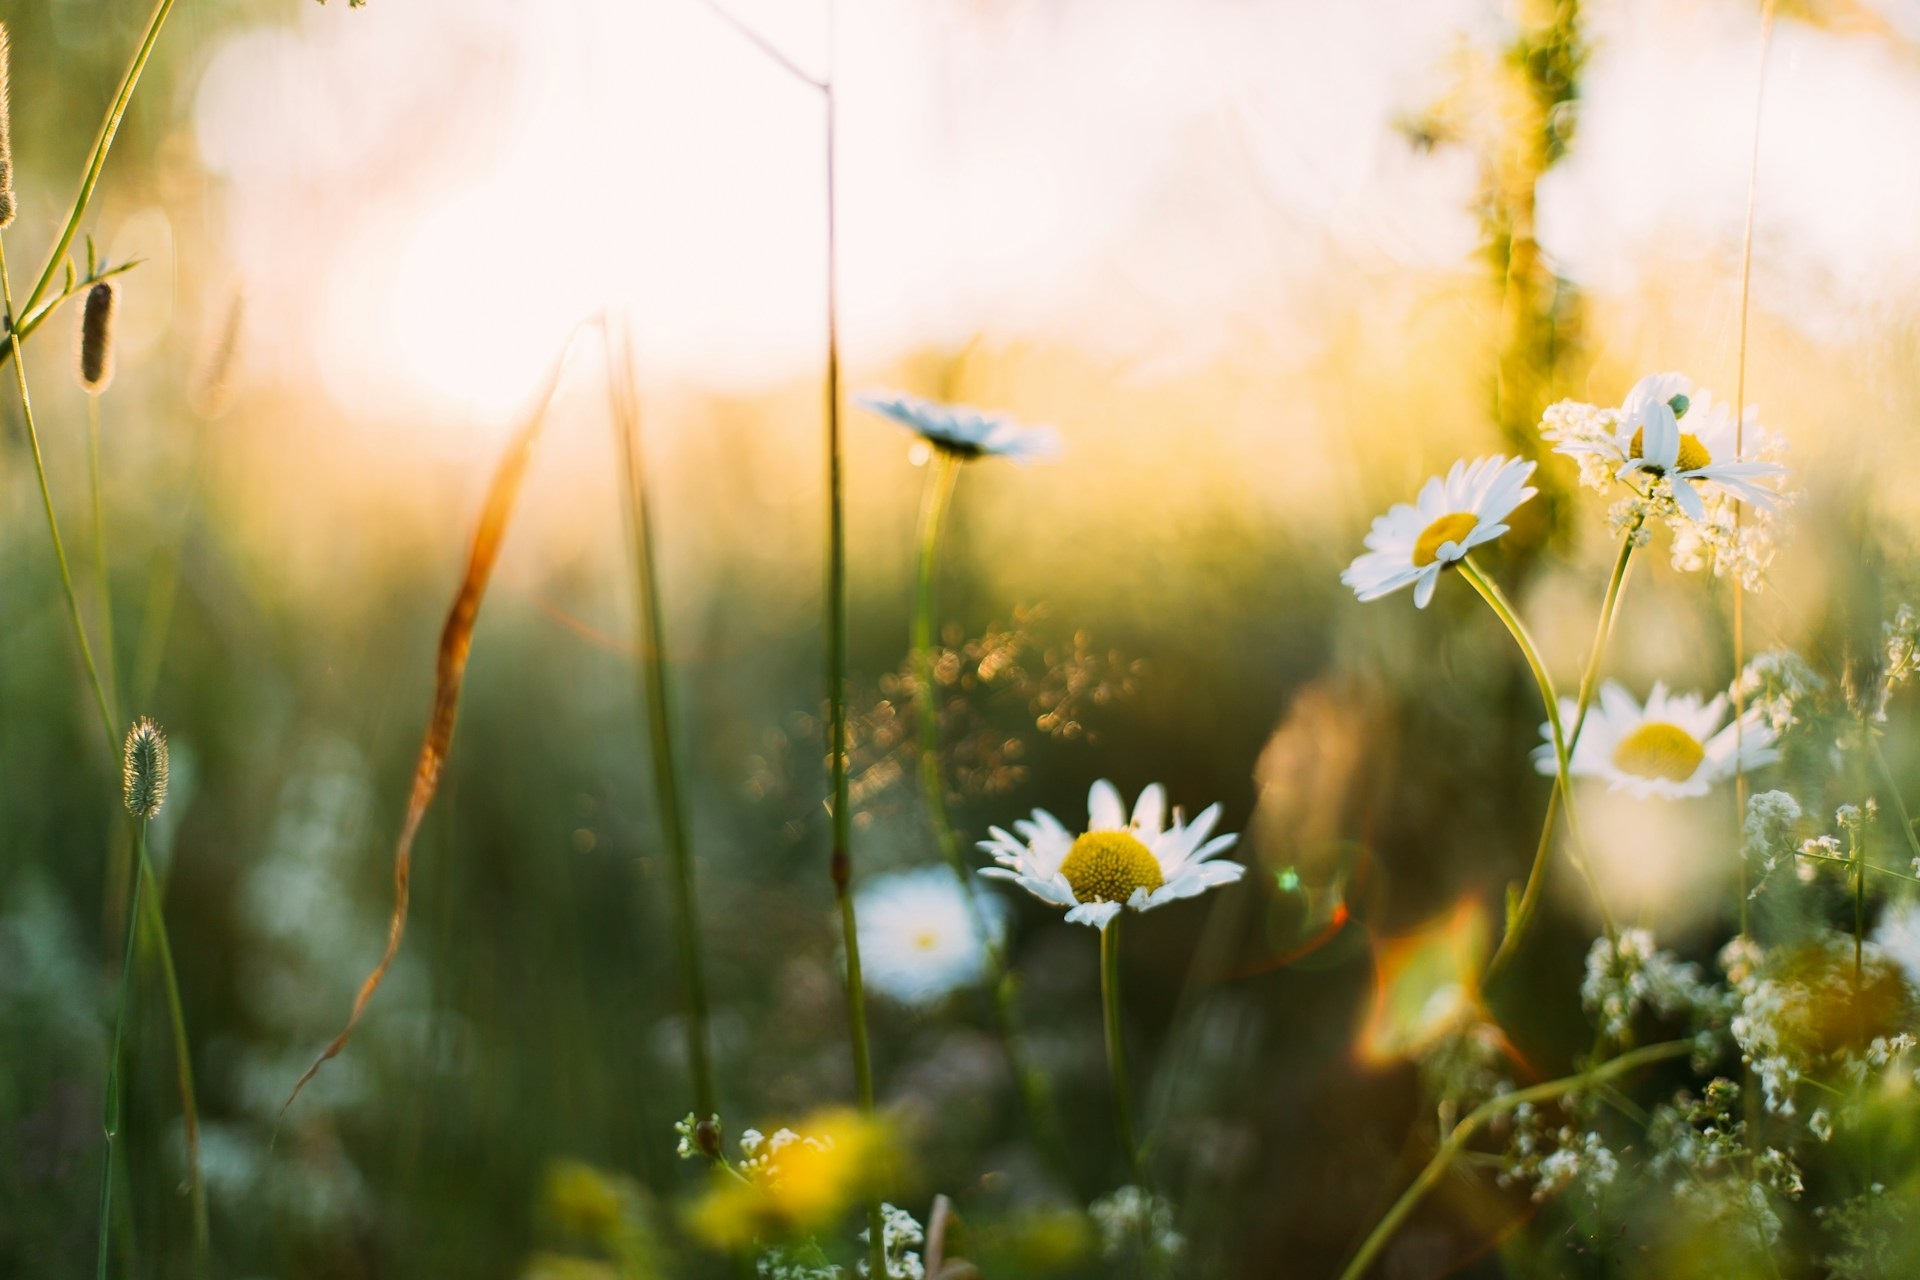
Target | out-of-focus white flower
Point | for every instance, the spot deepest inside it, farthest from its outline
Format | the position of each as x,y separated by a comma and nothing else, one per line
918,942
1143,862
962,430
1134,1216
1453,514
1898,935
1673,747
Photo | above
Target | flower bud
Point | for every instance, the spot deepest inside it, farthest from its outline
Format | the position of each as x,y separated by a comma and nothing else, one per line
96,338
144,768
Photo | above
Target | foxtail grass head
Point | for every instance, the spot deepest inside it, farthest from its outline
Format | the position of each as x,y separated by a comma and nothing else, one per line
144,769
96,338
6,138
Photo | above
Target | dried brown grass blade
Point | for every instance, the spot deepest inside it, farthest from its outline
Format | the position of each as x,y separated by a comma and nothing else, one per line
450,668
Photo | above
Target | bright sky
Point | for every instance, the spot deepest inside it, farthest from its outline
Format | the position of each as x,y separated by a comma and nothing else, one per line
423,196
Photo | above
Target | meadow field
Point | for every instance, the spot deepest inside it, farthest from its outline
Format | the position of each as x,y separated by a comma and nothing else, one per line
960,638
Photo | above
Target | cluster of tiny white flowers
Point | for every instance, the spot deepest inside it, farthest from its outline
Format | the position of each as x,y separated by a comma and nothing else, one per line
1135,1214
1757,1024
1727,542
1701,1148
1629,974
782,1263
688,1148
1902,638
1767,835
1782,685
1553,1160
900,1235
1583,431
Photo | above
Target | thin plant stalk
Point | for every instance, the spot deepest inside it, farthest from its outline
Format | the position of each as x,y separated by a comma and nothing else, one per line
1857,854
841,865
110,1119
1477,1119
1893,794
97,160
103,582
656,696
1497,601
1522,914
943,474
151,914
1116,1043
1739,442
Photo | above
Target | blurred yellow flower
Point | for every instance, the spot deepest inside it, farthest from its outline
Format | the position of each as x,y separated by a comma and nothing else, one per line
792,1185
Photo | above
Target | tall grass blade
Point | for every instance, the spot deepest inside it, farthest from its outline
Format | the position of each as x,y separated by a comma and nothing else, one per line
450,669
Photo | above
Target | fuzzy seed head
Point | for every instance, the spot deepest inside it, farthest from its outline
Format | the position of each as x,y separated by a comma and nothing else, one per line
144,768
6,139
96,338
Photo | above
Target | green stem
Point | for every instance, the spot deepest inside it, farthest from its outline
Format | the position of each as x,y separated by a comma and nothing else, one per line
1497,601
1857,858
841,865
1522,915
153,918
942,475
107,718
150,914
1873,867
104,583
656,695
35,319
1456,1141
110,1119
102,144
1116,1044
1893,793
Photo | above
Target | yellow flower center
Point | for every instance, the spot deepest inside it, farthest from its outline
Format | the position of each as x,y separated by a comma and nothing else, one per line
926,940
1693,455
1449,528
1659,750
1107,866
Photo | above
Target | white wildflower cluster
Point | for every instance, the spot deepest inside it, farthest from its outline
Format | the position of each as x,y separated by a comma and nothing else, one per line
1629,974
1823,1008
1685,463
1466,1066
800,1262
1902,639
1702,1153
1134,1216
1759,1023
1766,842
1782,686
688,1147
900,1235
1551,1160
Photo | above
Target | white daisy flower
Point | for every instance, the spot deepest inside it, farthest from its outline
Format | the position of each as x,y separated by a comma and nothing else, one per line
962,430
1115,863
917,938
1674,747
1656,445
1412,543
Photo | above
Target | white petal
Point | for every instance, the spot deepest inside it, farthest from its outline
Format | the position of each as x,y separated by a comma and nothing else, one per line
1097,914
1106,811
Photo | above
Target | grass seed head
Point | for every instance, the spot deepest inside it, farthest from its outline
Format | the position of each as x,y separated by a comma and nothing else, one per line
144,769
96,338
6,139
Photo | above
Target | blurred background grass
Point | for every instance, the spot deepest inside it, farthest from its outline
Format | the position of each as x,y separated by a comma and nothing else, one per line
1232,417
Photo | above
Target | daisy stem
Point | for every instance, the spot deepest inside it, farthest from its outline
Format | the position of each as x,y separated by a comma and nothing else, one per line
1522,914
1477,1119
1116,1045
1857,854
1497,601
657,696
943,474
